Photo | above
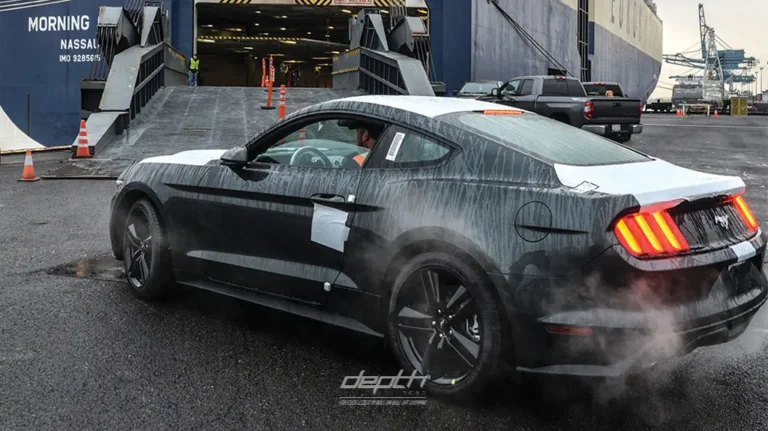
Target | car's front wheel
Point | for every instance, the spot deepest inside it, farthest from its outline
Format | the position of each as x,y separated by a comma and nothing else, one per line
145,254
444,324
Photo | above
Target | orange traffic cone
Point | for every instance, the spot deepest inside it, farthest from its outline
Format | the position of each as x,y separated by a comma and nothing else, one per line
679,112
28,174
82,142
716,114
281,111
302,136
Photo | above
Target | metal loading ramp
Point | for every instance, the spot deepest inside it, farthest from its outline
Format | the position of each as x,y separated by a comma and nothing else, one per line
192,118
143,108
195,118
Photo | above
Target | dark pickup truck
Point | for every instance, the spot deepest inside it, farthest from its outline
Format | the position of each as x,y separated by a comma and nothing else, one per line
564,99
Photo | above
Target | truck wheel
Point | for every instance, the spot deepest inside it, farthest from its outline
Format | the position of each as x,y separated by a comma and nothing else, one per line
622,138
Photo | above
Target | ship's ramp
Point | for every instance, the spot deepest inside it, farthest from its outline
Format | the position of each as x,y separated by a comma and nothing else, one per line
193,118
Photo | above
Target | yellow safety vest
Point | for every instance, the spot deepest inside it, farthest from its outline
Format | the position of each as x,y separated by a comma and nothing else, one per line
194,64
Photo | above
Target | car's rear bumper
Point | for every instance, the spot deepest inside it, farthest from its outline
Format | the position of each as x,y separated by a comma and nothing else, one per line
612,352
559,329
607,129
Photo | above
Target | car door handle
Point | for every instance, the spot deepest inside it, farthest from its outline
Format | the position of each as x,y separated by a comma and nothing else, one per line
328,199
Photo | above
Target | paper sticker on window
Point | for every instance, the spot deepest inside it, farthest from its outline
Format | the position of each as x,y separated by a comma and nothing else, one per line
394,148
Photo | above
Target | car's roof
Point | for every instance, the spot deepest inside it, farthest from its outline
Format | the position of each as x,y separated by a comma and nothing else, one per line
430,106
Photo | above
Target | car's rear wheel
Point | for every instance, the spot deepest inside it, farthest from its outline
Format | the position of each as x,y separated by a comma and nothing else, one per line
145,255
444,323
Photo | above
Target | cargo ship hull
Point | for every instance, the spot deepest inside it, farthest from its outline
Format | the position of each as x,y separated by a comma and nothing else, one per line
48,48
621,39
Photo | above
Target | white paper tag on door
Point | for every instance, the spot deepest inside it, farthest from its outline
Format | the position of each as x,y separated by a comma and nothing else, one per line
394,148
329,227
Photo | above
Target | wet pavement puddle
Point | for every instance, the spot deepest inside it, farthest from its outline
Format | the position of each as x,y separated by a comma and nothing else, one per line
103,267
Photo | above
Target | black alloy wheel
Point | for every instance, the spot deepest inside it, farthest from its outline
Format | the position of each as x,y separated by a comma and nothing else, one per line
145,255
444,324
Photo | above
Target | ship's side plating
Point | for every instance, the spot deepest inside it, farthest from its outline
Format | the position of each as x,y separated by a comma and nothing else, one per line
623,38
47,48
627,47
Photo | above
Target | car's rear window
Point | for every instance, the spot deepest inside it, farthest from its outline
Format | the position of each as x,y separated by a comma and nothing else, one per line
602,89
548,139
562,87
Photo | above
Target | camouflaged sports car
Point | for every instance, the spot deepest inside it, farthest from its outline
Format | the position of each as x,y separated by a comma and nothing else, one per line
469,234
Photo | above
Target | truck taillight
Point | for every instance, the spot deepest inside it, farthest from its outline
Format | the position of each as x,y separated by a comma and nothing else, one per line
589,109
650,234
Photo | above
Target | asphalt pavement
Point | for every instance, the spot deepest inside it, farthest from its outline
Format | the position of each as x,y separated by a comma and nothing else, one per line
78,351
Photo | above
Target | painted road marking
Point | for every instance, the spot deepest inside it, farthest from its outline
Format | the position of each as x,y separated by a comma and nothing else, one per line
765,331
702,125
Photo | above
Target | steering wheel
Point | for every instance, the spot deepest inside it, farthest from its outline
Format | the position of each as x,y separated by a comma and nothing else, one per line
301,152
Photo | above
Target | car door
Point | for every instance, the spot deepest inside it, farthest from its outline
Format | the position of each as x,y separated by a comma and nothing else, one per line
508,93
278,225
400,171
526,99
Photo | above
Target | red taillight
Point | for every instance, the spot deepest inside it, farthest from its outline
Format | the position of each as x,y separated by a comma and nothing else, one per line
650,234
745,213
589,109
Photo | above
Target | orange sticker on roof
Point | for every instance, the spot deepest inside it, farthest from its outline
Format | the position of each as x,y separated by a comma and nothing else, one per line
503,112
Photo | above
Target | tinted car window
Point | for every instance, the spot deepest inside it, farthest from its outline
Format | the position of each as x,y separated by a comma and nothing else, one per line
327,137
545,138
511,89
478,87
527,88
601,90
400,148
563,87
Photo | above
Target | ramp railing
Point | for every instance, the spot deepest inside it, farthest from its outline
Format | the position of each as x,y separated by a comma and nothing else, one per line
135,62
384,60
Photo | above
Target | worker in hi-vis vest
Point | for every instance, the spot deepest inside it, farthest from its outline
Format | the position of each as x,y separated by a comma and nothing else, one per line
365,139
194,67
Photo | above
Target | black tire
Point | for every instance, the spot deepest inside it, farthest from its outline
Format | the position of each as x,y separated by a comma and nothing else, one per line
415,324
146,257
622,138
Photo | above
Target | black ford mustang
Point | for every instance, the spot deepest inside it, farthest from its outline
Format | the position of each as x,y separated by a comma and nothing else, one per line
467,233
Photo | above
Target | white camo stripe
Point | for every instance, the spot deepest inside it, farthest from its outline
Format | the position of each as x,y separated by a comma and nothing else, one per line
744,251
189,158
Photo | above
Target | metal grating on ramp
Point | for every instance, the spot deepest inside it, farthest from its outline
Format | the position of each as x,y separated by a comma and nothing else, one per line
88,169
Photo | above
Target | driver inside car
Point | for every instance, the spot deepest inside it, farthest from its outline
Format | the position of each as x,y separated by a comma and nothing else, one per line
366,138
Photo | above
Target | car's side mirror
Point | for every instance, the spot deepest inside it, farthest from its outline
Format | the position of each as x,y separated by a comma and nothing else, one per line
236,157
495,92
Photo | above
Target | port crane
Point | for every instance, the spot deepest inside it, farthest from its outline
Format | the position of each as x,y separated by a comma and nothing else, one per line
721,67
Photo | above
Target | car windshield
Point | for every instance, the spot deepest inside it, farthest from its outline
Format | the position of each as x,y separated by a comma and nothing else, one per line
479,87
602,89
546,138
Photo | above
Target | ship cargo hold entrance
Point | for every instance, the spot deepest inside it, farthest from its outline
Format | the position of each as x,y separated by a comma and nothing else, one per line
302,36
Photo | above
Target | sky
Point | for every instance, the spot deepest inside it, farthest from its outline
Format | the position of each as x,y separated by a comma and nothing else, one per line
743,24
